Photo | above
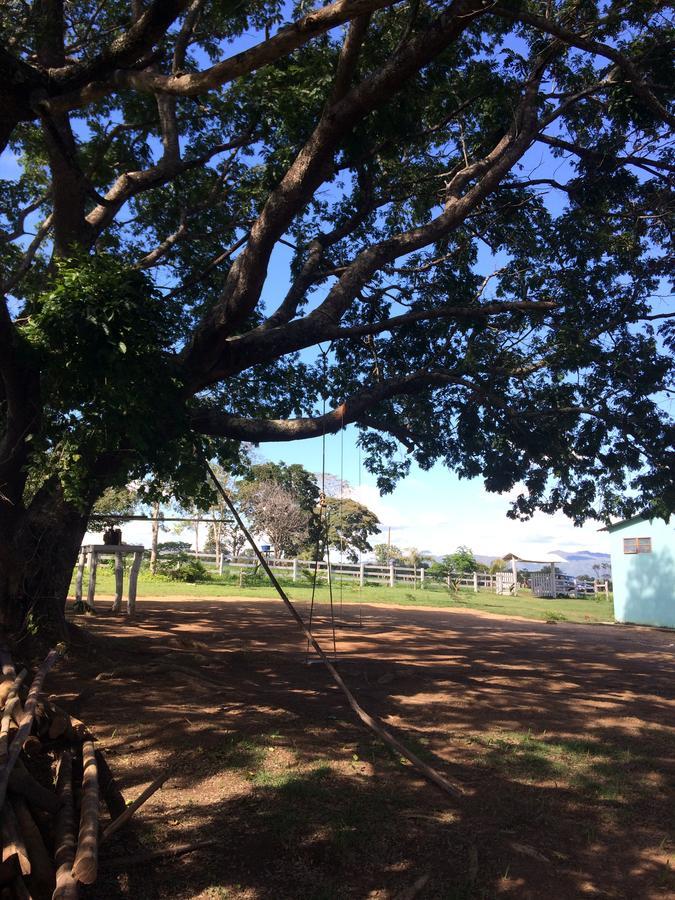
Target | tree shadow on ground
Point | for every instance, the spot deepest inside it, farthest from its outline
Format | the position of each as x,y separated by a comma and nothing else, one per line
559,736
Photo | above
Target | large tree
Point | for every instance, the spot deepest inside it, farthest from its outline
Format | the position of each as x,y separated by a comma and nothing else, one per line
463,204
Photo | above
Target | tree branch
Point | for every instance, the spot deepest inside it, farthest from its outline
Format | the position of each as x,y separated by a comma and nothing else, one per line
124,51
222,424
79,90
309,169
572,38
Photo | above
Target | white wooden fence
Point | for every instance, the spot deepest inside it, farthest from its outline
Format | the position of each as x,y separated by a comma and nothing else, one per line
364,573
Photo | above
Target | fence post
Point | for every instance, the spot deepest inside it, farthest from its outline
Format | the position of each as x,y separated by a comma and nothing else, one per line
220,563
392,575
475,582
607,590
362,574
295,570
421,578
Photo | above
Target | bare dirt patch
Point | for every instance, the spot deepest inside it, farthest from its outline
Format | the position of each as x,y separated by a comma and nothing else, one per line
561,735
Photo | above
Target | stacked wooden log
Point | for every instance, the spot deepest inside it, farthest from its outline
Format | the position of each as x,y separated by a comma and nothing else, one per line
49,791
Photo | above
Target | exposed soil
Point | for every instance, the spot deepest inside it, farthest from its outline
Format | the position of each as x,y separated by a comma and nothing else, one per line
560,735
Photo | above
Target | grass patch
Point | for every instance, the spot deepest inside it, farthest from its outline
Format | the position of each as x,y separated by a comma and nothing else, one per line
583,609
599,771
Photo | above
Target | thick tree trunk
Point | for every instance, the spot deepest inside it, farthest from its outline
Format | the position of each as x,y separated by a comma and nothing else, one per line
38,551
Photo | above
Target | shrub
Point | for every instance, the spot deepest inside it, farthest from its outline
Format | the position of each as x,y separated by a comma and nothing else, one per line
183,568
552,618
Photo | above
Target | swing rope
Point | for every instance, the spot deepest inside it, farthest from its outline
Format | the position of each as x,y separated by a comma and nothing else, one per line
341,513
323,517
360,557
369,721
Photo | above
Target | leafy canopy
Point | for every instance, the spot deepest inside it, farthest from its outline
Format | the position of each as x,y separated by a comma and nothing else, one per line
462,205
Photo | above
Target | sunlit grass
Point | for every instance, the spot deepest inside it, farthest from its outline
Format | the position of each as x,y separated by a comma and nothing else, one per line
584,609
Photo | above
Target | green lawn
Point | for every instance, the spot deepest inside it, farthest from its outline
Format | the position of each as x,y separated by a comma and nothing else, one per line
586,609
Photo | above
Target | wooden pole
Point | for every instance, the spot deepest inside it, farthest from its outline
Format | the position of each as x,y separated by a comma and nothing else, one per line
11,703
131,809
42,875
26,721
137,859
370,721
133,582
119,581
8,670
12,840
21,782
85,867
80,576
64,832
110,791
91,590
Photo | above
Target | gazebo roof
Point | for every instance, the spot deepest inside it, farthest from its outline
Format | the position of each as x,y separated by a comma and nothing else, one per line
552,558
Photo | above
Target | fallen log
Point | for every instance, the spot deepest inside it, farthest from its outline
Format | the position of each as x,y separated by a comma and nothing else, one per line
131,809
5,725
6,662
11,702
110,790
5,688
55,722
26,722
22,782
64,832
42,878
137,859
12,839
85,867
19,889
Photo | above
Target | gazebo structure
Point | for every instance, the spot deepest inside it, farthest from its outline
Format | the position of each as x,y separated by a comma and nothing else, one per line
544,584
90,554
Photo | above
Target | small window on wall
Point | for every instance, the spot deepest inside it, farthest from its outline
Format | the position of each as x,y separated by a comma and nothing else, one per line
637,545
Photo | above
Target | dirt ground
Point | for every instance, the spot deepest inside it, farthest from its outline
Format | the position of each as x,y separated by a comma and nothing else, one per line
561,737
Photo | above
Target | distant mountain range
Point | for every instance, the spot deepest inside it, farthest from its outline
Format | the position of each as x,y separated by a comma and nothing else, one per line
576,564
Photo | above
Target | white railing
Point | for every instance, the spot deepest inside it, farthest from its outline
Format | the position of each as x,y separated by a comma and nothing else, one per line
358,572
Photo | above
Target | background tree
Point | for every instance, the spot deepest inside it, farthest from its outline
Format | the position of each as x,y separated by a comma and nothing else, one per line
439,570
462,561
113,503
388,553
475,201
350,524
414,557
275,513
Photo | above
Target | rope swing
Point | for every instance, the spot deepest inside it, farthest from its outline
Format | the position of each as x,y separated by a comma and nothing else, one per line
323,521
369,721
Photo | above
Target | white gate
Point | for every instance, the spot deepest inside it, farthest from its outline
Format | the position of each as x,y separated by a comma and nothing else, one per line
505,583
543,584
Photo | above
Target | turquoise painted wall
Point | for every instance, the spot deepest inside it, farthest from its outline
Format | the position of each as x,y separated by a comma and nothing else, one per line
644,583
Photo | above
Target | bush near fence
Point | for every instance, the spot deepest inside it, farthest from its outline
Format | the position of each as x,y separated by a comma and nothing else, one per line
246,567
